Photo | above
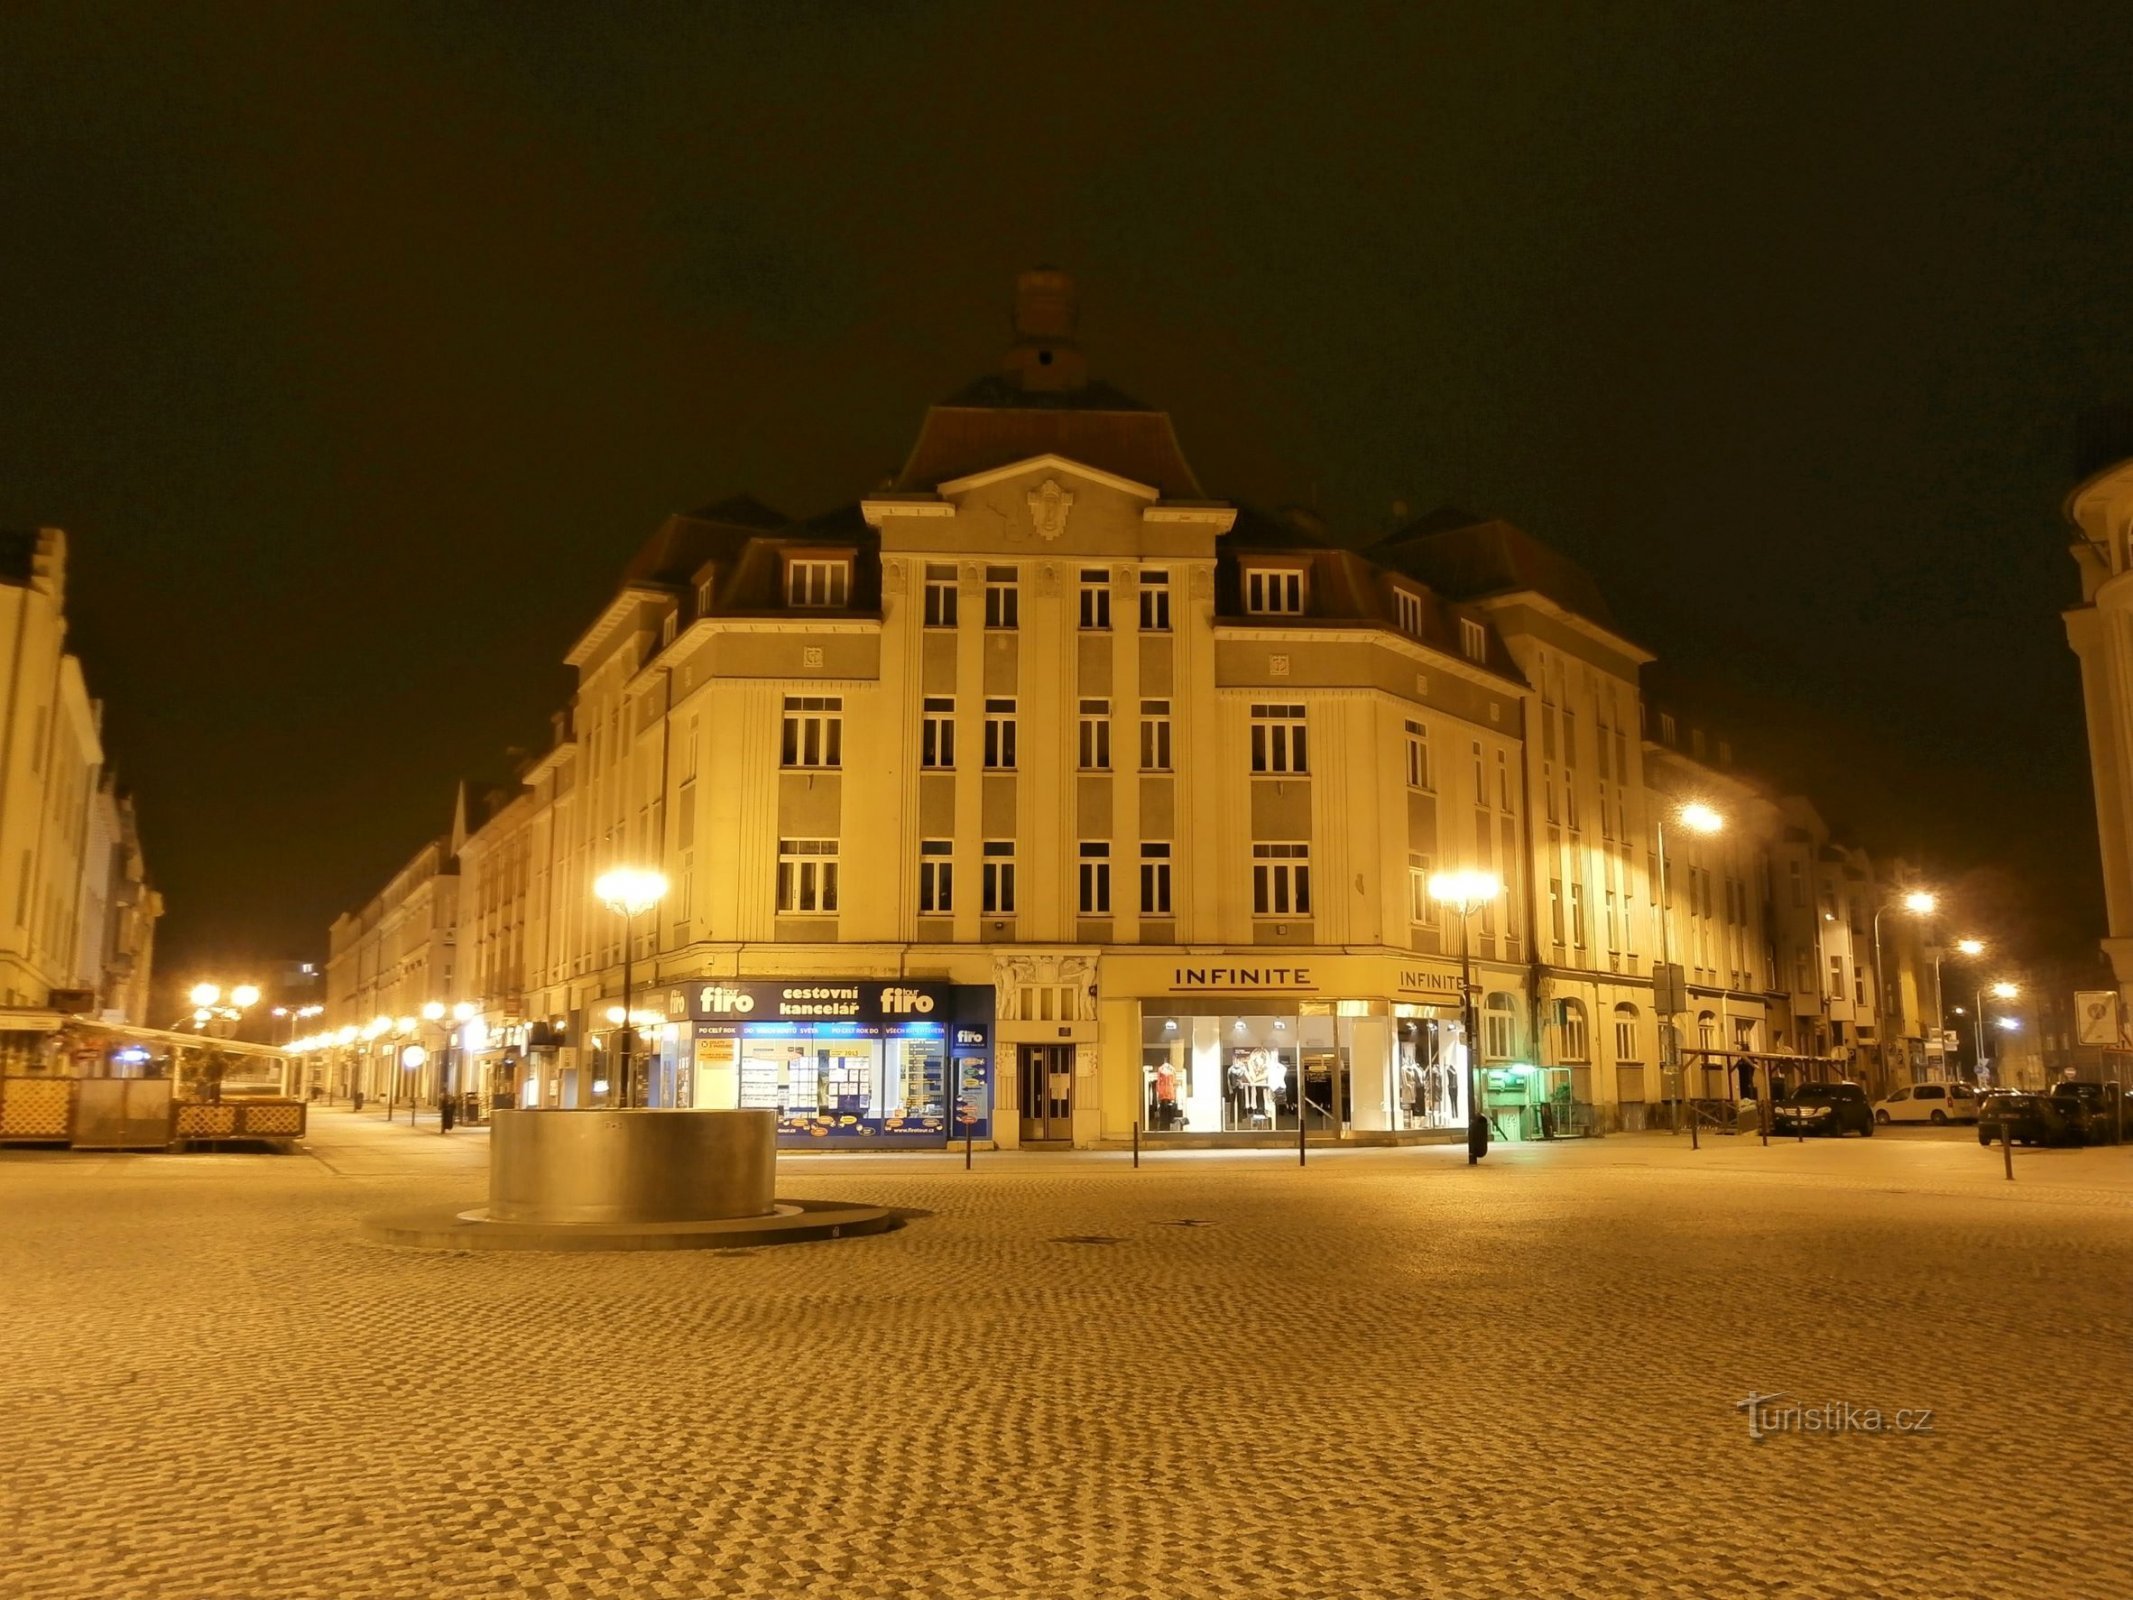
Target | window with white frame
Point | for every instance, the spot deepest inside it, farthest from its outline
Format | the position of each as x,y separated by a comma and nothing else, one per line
1155,878
1155,602
669,626
1577,915
1626,1047
1421,909
1155,736
999,735
1003,598
814,731
817,580
1273,591
807,876
936,876
1499,1028
1095,878
940,594
1093,746
1573,1034
1281,880
999,876
706,588
1417,756
1473,640
936,740
1095,600
1407,609
1278,744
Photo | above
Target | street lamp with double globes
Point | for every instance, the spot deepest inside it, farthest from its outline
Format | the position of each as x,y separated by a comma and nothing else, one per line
629,892
1466,893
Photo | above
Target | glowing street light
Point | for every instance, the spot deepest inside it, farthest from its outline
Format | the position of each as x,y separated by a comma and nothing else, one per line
629,892
1467,892
1697,818
205,994
1970,947
1919,903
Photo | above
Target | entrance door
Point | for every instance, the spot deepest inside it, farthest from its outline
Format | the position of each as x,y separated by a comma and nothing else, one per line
1047,1084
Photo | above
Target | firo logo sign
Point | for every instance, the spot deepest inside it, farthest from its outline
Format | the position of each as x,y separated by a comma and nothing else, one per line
718,1000
905,1003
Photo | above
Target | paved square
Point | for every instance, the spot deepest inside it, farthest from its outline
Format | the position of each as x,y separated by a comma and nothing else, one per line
1387,1375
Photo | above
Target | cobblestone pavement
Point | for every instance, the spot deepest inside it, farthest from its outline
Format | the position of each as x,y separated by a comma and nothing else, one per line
1387,1375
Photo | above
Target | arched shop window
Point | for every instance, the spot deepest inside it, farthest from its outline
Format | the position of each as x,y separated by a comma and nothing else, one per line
1574,1033
1499,1028
1626,1045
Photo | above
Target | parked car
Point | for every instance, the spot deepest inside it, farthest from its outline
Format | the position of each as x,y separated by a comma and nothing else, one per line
1834,1109
1928,1102
2029,1118
2089,1104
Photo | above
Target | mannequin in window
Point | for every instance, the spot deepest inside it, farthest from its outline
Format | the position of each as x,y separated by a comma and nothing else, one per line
1166,1095
1256,1079
1239,1086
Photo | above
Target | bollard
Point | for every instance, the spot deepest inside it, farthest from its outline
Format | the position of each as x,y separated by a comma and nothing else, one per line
1695,1143
1302,1122
969,1135
2007,1148
1136,1143
2118,1111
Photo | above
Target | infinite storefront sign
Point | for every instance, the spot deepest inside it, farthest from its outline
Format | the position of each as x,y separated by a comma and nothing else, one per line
1255,979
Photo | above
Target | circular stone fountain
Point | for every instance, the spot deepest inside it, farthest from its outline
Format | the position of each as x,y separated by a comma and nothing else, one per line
631,1180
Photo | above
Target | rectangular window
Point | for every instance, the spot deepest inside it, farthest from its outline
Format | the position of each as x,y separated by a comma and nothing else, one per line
936,748
1281,880
817,583
1273,591
1572,1036
1421,909
1155,602
1155,879
807,876
1094,743
1155,736
1003,603
936,877
940,594
669,625
1503,784
1473,640
1626,1037
1836,977
1278,739
814,731
1577,916
999,877
1407,607
1095,878
1417,756
1096,601
1555,907
999,735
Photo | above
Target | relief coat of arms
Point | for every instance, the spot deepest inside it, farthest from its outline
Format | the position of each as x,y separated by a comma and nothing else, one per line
1048,508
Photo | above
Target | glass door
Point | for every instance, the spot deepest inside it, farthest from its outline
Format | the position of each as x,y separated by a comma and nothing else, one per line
1047,1085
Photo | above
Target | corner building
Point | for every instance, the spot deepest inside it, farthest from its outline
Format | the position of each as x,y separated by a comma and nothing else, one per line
1045,793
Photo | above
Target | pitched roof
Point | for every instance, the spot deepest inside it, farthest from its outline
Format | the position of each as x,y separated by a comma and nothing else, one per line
994,424
1468,557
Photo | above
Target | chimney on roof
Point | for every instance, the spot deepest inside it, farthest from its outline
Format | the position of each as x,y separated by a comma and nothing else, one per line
1046,355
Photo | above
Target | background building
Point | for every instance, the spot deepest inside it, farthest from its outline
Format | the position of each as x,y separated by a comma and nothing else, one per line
1045,793
77,911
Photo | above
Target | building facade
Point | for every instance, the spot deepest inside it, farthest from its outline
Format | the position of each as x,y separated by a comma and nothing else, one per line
1044,795
77,911
2100,630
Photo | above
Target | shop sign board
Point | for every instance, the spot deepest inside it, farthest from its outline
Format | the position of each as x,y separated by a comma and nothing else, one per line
1239,973
877,1003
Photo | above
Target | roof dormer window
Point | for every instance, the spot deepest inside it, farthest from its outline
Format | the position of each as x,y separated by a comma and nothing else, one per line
1473,640
669,625
1407,611
818,581
1274,591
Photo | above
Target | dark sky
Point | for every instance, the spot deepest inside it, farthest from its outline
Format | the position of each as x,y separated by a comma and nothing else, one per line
358,347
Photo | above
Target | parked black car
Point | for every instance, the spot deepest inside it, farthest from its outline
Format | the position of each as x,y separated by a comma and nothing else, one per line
1824,1108
2030,1118
2089,1105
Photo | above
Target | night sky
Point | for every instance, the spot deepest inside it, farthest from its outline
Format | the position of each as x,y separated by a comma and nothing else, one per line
357,348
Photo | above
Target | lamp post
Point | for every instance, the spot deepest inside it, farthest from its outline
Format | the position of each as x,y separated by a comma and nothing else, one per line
1466,893
2000,991
1697,818
628,892
1919,903
1970,948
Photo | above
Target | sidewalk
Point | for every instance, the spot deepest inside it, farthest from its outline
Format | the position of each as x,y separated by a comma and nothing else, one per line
363,1144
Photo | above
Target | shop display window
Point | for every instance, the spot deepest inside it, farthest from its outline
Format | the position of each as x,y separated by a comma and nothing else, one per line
1430,1073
